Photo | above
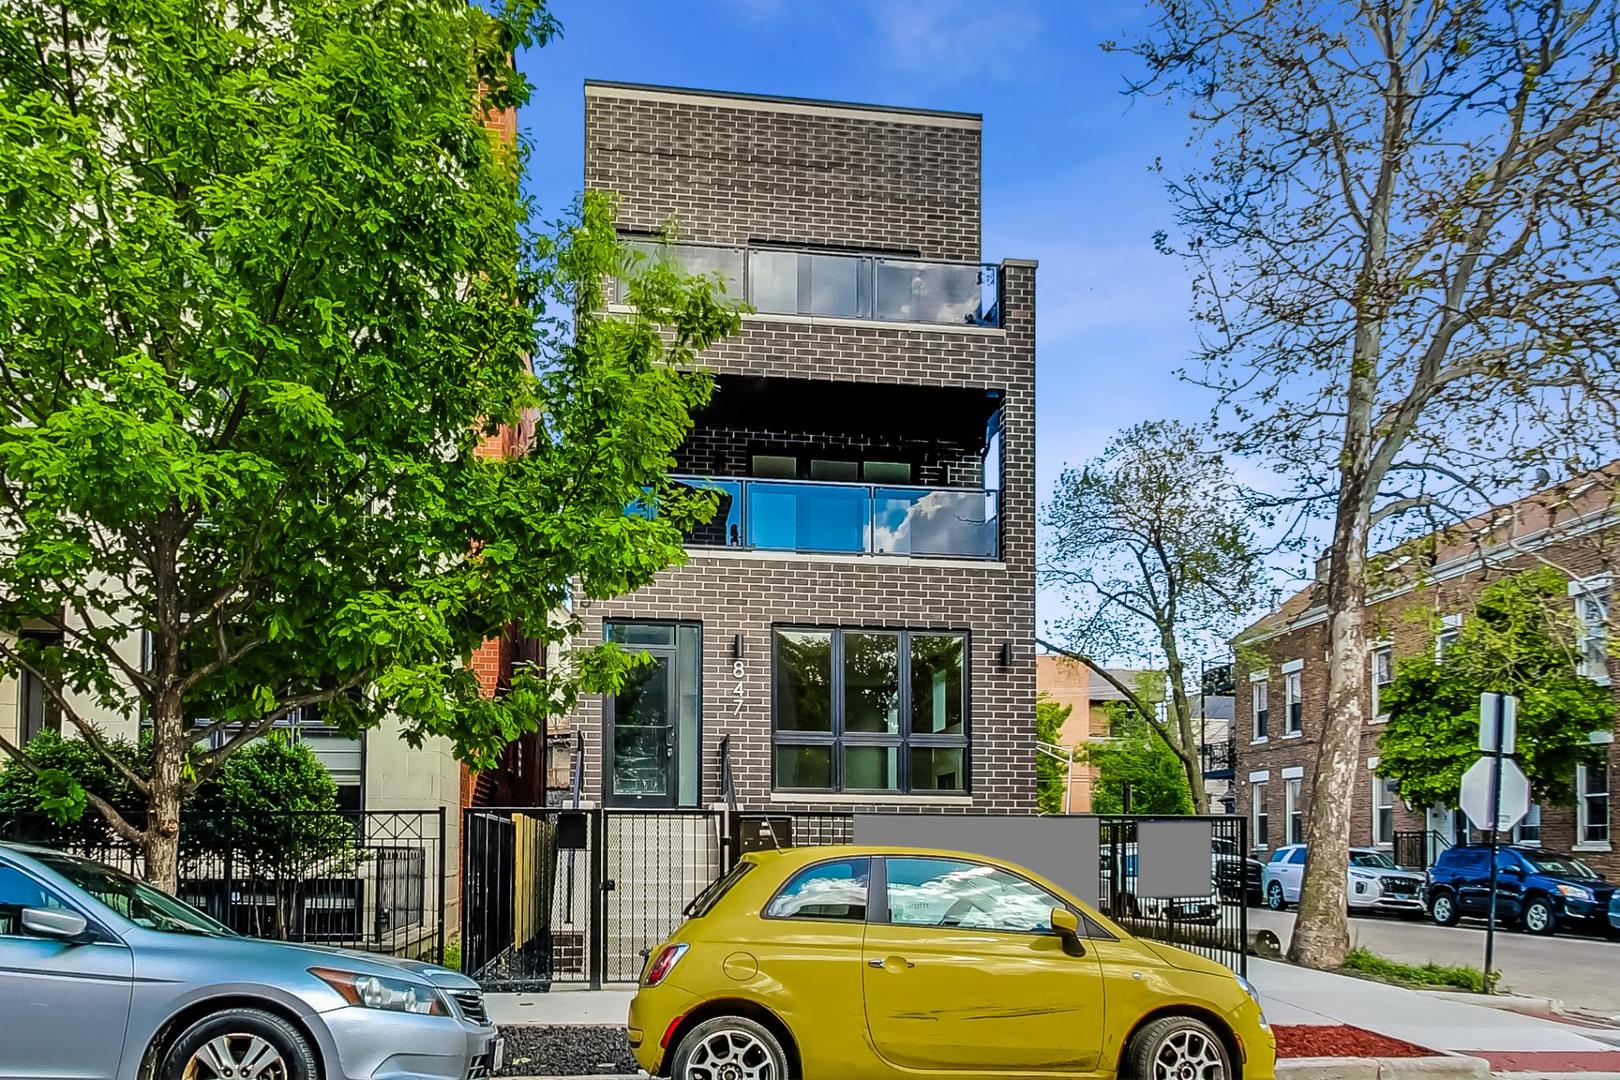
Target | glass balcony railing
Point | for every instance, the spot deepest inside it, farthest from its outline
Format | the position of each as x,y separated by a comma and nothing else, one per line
811,516
788,282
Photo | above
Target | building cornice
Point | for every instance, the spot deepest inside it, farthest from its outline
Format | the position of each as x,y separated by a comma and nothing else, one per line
723,99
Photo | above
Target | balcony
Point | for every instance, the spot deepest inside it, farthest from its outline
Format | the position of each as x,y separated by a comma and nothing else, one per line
782,281
1219,760
855,519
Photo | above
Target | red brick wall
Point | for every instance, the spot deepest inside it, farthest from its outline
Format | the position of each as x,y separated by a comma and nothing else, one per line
1406,621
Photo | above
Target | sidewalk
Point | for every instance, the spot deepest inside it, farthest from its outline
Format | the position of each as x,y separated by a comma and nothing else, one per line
1508,1040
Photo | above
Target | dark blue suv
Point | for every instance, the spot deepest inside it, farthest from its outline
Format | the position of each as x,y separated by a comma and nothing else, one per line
1539,889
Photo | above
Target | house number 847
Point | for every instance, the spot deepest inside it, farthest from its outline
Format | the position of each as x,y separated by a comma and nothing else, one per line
737,690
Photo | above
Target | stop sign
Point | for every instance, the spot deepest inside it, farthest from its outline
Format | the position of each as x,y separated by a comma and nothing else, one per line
1476,795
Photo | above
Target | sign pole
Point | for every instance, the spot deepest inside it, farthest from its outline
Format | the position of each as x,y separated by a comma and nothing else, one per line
1496,816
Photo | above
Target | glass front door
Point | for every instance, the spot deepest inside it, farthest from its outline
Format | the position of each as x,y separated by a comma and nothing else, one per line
651,737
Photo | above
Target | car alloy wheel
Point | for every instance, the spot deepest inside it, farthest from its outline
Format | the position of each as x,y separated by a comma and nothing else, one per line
236,1056
1177,1048
1274,897
1444,911
730,1048
1538,917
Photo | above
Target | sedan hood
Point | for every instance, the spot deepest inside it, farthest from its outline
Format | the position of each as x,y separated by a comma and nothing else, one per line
254,953
436,974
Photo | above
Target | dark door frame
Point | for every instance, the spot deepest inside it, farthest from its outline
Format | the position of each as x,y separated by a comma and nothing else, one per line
670,655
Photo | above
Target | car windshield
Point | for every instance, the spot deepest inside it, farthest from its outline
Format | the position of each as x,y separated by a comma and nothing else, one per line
1373,860
134,900
1559,864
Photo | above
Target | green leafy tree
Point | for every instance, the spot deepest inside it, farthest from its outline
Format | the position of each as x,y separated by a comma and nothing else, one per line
1151,546
266,284
1051,773
1137,756
1520,639
49,789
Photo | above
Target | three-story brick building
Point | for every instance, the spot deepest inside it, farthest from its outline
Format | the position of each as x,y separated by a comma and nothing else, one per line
1421,604
855,626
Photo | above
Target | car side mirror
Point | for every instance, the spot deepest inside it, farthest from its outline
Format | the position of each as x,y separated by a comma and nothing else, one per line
1066,925
58,923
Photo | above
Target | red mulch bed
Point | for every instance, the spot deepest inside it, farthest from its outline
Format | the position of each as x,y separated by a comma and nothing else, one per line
1340,1040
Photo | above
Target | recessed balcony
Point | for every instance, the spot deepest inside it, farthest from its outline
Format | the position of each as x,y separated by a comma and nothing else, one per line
855,519
789,281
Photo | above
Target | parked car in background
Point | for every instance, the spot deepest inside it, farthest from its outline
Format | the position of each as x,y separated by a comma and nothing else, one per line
1538,889
1614,912
894,962
1375,882
1205,908
1238,878
104,978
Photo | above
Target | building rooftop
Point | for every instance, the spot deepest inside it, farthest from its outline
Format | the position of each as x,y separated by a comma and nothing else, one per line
776,102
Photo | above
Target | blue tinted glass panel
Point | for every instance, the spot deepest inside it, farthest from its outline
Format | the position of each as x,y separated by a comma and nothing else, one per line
807,517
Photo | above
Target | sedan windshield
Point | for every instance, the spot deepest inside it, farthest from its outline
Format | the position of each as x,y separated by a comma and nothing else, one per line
134,900
1372,860
1559,865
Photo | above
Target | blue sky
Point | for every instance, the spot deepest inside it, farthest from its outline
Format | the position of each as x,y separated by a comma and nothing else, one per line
1066,157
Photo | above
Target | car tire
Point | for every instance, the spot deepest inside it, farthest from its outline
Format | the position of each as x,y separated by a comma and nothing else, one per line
1275,900
1539,917
244,1036
734,1039
1177,1041
1443,909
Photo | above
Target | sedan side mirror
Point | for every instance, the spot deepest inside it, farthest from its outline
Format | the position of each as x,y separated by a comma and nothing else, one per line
58,923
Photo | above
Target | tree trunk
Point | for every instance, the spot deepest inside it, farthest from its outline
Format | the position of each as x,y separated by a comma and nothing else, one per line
1321,934
163,803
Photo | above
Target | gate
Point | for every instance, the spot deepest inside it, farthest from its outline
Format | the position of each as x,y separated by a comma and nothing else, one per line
578,896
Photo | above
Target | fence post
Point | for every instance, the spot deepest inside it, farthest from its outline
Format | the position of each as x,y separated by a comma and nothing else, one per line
443,867
598,934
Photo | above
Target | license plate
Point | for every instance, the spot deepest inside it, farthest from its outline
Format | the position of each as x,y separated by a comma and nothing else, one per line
497,1055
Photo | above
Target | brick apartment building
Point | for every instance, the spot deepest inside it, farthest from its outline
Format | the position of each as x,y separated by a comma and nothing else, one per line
856,625
1281,678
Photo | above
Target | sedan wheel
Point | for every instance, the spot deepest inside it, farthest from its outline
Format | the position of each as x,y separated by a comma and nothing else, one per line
730,1048
1444,910
239,1044
1178,1048
1274,897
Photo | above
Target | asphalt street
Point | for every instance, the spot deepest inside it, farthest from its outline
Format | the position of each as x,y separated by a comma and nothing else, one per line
1582,972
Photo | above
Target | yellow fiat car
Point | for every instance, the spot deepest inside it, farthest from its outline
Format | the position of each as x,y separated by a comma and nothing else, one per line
848,963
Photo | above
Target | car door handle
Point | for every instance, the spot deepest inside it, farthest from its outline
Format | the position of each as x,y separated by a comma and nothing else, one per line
883,963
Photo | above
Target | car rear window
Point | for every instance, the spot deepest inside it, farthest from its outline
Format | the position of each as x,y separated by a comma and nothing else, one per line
704,902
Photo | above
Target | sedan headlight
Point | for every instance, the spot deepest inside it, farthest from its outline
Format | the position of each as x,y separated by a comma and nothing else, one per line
378,992
1576,892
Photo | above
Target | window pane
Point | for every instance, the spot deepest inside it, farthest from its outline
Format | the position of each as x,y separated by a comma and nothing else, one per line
871,768
840,471
872,683
804,767
936,684
886,472
775,466
938,768
834,890
956,893
773,280
641,633
803,680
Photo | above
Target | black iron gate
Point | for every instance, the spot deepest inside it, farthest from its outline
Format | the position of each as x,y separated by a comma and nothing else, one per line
1212,922
578,896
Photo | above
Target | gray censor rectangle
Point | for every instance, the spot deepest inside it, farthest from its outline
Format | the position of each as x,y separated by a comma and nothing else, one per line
1173,858
1060,848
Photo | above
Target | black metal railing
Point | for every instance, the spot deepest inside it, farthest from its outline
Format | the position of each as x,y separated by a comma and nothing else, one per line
784,281
1219,760
371,880
1416,849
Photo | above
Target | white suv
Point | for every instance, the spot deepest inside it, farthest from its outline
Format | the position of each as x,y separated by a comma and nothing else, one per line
1375,882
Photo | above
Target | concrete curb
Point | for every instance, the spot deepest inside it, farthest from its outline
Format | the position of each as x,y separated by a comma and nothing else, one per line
1440,1067
1506,1002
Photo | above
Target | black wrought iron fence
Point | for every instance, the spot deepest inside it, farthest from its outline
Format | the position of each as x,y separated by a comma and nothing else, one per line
1212,921
371,880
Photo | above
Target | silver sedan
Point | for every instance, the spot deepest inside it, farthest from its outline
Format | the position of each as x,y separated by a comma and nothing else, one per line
105,978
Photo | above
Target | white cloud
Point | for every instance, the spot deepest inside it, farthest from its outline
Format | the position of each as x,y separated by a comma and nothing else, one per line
952,39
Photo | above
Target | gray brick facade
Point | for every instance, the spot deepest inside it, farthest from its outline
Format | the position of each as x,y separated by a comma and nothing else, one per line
767,171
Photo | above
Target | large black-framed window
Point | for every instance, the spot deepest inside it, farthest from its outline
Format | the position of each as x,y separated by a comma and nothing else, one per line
875,711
